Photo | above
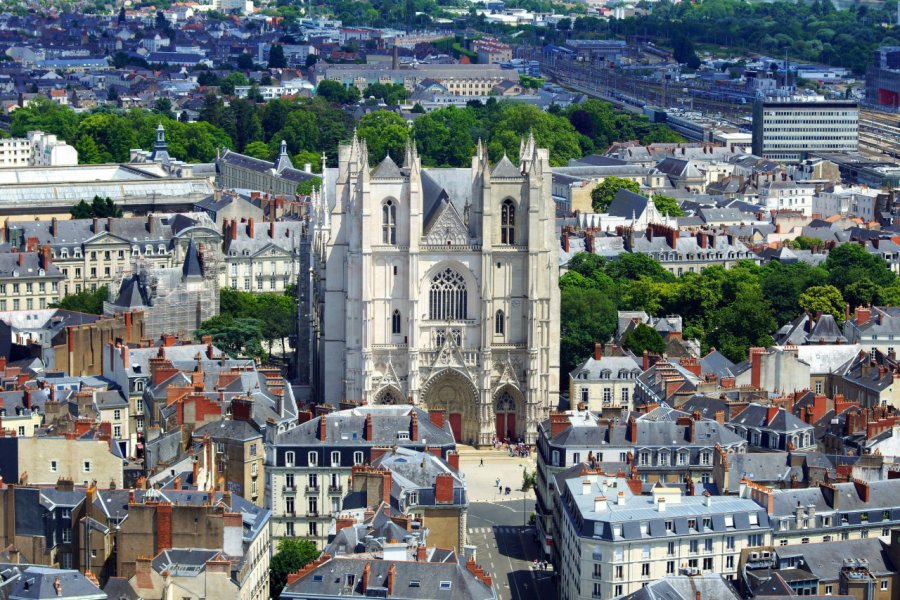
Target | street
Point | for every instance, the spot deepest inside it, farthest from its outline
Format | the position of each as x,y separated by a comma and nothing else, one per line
506,548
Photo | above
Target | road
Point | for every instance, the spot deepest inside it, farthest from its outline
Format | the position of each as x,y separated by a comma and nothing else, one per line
506,548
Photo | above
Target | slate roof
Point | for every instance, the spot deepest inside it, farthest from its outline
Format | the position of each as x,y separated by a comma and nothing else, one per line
755,416
683,587
716,363
227,429
760,467
118,588
191,268
386,422
387,168
615,365
826,331
184,562
328,580
627,204
132,293
824,560
505,168
39,582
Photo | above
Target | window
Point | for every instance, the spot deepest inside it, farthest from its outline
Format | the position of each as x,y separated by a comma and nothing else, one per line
618,591
54,466
693,546
21,430
117,431
625,392
252,449
313,529
620,570
884,584
395,322
389,223
117,414
707,564
645,569
254,469
289,505
448,298
445,585
829,590
708,545
289,459
499,323
289,480
313,481
335,459
66,535
729,562
87,466
670,567
729,542
357,458
507,222
313,459
289,529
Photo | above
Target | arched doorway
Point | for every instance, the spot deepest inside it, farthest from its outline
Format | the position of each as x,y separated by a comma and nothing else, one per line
452,391
508,416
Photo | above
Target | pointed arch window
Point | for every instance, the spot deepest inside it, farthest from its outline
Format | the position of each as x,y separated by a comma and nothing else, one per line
499,323
448,297
389,222
395,322
507,222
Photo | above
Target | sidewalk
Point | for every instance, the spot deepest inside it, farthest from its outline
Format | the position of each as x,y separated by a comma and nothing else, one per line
481,481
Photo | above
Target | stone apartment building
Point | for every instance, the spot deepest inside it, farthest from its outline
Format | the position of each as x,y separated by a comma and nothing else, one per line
612,540
29,280
605,383
239,451
309,465
664,445
44,459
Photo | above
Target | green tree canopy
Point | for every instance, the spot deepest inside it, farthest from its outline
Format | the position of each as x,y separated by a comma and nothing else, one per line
276,57
385,133
602,195
235,337
99,207
86,301
588,316
667,205
293,554
825,299
849,263
644,337
334,91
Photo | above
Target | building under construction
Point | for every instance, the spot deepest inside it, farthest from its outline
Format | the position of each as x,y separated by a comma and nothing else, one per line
174,300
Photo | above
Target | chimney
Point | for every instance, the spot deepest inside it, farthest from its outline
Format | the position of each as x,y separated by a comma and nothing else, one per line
453,460
771,413
720,417
632,430
250,227
599,503
620,499
95,226
586,485
443,488
323,427
756,366
559,422
598,351
862,489
414,426
20,258
437,417
391,578
127,316
368,433
863,315
421,554
272,229
365,577
54,227
163,527
646,363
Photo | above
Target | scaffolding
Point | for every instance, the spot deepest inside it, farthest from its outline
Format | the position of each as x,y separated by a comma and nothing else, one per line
174,303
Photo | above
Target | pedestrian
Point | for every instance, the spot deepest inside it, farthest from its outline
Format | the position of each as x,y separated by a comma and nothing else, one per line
498,482
482,463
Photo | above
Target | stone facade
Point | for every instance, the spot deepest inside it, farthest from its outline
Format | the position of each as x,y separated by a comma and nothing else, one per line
439,287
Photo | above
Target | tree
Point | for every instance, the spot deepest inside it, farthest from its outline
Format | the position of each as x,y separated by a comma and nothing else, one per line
587,316
602,195
862,293
849,263
232,80
258,150
163,106
236,337
245,62
667,205
644,337
825,299
631,266
745,322
86,301
334,91
100,208
293,554
276,57
385,133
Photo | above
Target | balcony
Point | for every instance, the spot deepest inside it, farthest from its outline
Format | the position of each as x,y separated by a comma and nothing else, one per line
312,513
335,489
289,489
290,513
312,489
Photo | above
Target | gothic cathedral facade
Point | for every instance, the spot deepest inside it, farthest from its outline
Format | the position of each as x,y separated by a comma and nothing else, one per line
438,287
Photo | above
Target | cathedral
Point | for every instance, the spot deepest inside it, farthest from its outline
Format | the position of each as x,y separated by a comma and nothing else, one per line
438,287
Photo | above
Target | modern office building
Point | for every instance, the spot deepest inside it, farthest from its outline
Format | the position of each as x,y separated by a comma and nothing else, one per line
788,129
883,78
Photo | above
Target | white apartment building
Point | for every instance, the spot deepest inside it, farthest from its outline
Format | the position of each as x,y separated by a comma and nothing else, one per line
38,149
789,129
851,201
613,541
788,195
